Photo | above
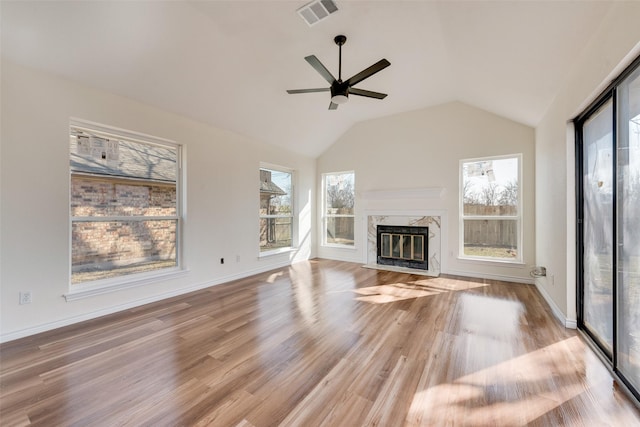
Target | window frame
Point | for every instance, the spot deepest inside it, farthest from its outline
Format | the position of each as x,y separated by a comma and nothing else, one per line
325,215
292,200
517,218
123,281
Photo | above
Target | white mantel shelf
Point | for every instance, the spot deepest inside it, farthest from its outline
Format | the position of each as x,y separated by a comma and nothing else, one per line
405,194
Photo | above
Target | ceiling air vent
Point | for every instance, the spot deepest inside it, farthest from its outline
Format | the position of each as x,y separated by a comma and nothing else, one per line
317,10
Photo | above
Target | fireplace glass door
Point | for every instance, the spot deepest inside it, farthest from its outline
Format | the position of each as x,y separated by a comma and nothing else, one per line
403,246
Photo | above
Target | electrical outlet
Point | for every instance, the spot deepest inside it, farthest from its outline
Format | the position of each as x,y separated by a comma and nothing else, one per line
25,297
538,271
221,260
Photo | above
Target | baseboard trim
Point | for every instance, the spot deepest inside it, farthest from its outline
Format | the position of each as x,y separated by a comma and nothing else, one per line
22,333
564,320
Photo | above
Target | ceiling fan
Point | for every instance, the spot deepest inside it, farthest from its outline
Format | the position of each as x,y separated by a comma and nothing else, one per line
339,89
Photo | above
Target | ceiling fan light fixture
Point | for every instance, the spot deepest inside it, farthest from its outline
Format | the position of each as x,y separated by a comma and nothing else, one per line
339,92
339,99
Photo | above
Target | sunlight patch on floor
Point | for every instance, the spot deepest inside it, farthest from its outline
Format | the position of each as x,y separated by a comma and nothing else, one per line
400,291
490,317
274,276
493,395
393,292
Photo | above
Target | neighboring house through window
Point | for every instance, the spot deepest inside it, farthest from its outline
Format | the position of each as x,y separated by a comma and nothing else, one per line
124,204
276,209
338,213
490,208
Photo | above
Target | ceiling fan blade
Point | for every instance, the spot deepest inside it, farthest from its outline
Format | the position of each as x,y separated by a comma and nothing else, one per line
315,63
333,106
367,93
378,66
322,89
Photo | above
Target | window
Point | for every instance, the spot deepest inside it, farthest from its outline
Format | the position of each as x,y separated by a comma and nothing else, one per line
490,213
124,204
276,210
339,201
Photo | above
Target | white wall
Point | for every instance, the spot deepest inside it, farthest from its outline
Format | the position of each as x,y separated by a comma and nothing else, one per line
613,45
422,149
221,211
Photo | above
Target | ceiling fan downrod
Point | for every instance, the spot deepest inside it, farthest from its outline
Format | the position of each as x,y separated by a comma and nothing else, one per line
340,40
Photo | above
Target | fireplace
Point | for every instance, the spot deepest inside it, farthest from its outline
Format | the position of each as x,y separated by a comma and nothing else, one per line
410,228
403,246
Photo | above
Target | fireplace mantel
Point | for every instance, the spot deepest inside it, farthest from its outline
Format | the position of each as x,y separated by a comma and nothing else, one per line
405,194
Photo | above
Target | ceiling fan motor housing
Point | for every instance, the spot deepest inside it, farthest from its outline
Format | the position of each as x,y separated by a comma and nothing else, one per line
339,88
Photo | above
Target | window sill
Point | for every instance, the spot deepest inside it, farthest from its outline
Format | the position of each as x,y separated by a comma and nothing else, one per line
344,247
503,262
100,287
273,252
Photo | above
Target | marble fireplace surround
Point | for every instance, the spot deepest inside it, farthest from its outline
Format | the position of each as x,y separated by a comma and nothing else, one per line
434,222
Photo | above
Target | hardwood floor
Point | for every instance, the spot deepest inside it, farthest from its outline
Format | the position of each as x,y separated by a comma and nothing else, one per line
321,343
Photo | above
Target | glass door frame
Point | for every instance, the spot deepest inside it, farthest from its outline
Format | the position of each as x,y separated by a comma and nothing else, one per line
609,94
605,97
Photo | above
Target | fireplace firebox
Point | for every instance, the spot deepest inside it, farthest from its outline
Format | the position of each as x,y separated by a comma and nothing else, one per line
403,246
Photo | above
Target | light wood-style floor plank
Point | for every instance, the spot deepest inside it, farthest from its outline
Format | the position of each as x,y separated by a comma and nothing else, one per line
320,343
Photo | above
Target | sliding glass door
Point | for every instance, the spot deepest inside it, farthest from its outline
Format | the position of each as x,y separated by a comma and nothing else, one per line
608,180
628,207
598,182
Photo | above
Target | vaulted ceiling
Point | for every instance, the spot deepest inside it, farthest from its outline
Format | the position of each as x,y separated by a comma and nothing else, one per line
229,63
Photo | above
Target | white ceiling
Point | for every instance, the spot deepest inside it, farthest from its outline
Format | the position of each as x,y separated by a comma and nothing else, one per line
229,63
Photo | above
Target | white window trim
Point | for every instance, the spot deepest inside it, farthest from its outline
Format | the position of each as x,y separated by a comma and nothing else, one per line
99,287
102,286
278,251
293,216
517,218
325,216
